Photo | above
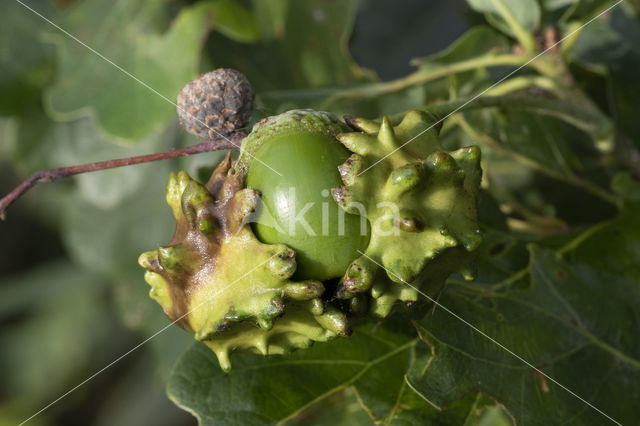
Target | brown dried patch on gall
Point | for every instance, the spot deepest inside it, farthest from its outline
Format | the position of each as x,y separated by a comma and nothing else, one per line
219,174
340,194
409,224
349,283
205,217
352,122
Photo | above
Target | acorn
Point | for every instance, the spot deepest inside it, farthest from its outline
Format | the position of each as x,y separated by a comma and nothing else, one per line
292,159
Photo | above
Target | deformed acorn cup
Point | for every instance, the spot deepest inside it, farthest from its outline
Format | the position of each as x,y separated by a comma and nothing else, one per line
422,205
218,281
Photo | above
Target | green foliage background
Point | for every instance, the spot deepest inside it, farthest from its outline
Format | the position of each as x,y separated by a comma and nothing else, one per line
559,279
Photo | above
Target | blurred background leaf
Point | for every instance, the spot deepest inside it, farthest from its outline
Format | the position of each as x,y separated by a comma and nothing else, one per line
27,63
504,14
139,37
568,330
609,50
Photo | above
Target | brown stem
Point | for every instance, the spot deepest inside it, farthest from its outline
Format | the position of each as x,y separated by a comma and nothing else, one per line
43,176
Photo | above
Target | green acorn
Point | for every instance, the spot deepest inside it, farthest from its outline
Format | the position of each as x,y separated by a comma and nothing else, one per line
218,281
292,159
422,205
